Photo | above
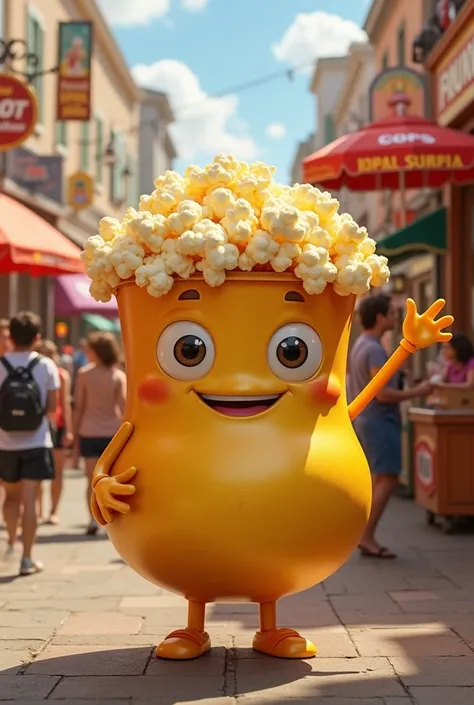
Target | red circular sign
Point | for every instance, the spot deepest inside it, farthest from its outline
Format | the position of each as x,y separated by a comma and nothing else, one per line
18,112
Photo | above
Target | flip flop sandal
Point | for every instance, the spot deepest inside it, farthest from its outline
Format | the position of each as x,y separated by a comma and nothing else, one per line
381,553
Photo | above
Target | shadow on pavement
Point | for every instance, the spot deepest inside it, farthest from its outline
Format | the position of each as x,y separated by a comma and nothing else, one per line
136,674
65,537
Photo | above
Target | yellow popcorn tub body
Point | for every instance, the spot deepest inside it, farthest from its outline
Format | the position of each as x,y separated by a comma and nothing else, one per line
236,474
250,500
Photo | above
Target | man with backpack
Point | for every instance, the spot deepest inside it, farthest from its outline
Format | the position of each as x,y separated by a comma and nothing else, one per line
29,386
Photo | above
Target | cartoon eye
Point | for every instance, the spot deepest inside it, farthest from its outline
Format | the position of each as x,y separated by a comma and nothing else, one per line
295,352
185,351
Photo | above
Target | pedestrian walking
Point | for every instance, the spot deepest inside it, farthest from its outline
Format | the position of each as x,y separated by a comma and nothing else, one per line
99,403
378,427
29,385
5,346
61,430
79,358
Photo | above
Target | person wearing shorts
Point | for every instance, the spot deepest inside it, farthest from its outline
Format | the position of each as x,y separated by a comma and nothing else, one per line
26,456
99,402
61,431
378,427
5,346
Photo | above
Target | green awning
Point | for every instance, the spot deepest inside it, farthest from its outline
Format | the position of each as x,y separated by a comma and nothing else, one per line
427,234
107,325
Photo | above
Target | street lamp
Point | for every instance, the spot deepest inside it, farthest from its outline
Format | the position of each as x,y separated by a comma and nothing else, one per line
109,158
127,172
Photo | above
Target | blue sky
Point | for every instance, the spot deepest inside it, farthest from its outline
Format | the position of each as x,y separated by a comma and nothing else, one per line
195,49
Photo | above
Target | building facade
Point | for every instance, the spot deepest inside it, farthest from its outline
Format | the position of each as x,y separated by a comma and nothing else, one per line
392,28
451,67
326,84
156,148
303,150
105,147
351,113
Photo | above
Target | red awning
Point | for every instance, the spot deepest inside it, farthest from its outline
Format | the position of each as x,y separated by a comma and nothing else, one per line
29,244
403,149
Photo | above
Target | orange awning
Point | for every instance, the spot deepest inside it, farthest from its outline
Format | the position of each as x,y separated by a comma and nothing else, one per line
29,244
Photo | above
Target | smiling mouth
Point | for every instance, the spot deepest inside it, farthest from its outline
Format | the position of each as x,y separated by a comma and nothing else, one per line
240,405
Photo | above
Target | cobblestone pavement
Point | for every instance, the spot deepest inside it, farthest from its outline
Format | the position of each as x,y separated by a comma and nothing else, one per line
388,632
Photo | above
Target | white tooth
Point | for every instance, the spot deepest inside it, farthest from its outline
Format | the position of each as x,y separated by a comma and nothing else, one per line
223,399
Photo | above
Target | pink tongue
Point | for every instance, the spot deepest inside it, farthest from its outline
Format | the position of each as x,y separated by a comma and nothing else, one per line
241,411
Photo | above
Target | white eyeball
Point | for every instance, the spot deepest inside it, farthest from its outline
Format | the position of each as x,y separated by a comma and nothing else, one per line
185,351
295,352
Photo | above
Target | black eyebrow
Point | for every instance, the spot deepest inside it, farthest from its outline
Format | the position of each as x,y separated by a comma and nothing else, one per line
294,296
188,295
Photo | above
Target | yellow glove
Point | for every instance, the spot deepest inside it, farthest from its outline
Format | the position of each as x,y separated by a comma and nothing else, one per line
423,331
105,491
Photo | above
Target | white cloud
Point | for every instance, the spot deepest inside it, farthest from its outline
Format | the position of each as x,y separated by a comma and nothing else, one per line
141,12
194,5
276,131
134,12
316,34
204,125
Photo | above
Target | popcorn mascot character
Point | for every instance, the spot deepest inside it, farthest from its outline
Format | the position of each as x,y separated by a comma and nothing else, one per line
236,473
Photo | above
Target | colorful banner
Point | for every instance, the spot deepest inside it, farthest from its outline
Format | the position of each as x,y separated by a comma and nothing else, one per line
397,91
74,71
80,190
18,112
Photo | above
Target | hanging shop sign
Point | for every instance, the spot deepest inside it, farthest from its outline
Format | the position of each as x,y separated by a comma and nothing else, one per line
80,190
397,91
18,112
39,174
454,78
74,71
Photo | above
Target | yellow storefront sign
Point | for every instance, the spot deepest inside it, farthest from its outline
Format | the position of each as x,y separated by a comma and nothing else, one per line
409,161
80,190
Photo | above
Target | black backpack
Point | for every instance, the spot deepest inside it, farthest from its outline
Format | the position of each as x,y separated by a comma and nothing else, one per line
20,398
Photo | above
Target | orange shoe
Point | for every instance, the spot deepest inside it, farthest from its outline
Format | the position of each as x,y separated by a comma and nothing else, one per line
283,643
184,644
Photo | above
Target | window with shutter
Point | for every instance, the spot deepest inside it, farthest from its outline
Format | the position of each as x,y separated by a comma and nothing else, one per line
329,131
133,195
36,43
401,43
85,146
60,136
118,185
99,147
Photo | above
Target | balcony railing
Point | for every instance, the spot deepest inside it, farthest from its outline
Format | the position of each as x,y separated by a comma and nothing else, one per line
441,18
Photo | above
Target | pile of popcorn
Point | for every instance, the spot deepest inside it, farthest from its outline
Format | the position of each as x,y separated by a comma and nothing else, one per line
232,216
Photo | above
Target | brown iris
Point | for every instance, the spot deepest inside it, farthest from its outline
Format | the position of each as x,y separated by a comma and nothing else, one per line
190,351
292,352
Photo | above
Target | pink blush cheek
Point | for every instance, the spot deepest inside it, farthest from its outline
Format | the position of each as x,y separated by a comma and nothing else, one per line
154,391
325,390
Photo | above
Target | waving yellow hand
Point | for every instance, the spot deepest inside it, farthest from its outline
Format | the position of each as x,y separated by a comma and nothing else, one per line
423,330
418,332
105,488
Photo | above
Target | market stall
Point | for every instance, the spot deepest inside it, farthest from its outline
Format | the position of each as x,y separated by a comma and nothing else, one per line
443,458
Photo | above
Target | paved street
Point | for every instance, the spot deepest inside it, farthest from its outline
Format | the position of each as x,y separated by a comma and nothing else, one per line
389,633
